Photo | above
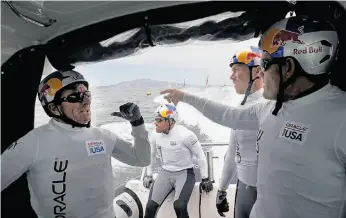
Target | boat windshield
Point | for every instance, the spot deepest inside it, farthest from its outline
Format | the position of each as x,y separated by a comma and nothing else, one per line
113,83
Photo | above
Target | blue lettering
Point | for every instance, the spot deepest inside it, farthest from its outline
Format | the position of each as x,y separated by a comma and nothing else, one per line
96,149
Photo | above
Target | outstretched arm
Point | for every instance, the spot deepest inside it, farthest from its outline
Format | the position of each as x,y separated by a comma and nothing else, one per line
245,118
235,118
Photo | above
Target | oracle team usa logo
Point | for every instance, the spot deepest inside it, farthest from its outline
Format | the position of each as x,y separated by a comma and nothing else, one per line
95,147
294,132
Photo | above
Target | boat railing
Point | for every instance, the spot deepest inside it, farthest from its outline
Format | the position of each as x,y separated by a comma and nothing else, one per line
209,155
213,144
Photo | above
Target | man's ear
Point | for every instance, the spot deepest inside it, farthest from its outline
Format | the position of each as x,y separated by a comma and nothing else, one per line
289,68
256,72
54,109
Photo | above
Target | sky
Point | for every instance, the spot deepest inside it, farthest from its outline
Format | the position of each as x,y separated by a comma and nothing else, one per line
192,62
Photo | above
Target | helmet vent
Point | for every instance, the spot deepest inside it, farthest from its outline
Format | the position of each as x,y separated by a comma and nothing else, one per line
325,58
326,43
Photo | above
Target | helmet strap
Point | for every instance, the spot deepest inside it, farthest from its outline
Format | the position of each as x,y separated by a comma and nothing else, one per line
248,90
170,126
281,94
281,97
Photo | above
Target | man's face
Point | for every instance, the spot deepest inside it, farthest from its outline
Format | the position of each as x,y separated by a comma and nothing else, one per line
77,111
161,124
271,78
240,76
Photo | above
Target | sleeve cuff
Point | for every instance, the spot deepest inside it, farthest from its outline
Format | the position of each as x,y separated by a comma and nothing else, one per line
137,122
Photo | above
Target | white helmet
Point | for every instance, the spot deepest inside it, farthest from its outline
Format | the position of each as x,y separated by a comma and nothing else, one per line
167,111
55,82
313,43
51,87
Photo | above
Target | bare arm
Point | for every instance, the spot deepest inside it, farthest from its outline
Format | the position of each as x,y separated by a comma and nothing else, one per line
18,158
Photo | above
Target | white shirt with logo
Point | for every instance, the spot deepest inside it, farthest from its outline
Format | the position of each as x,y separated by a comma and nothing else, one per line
241,155
69,169
176,150
301,152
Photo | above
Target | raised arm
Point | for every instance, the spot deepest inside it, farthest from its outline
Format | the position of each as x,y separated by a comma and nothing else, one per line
18,158
137,154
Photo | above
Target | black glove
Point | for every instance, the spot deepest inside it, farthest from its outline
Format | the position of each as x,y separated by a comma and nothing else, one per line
221,202
147,181
130,112
206,185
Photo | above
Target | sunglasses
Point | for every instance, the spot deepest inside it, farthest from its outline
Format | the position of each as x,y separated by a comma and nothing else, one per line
76,97
159,120
265,64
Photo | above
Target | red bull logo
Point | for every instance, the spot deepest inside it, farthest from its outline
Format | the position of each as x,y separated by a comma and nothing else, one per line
166,113
44,89
275,38
51,87
251,55
308,50
169,113
283,36
245,57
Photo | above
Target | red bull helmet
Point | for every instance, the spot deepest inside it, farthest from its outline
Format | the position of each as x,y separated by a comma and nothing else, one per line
250,56
166,111
52,86
55,82
313,43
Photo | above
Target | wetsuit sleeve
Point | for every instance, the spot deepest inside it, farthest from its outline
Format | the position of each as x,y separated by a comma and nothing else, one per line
18,158
192,143
340,144
134,155
153,156
232,117
229,168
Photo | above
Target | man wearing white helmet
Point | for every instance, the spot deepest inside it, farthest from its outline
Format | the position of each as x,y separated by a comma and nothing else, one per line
68,161
175,145
241,156
301,141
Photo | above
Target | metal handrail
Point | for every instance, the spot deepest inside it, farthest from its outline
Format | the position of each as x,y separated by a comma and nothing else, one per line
214,144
